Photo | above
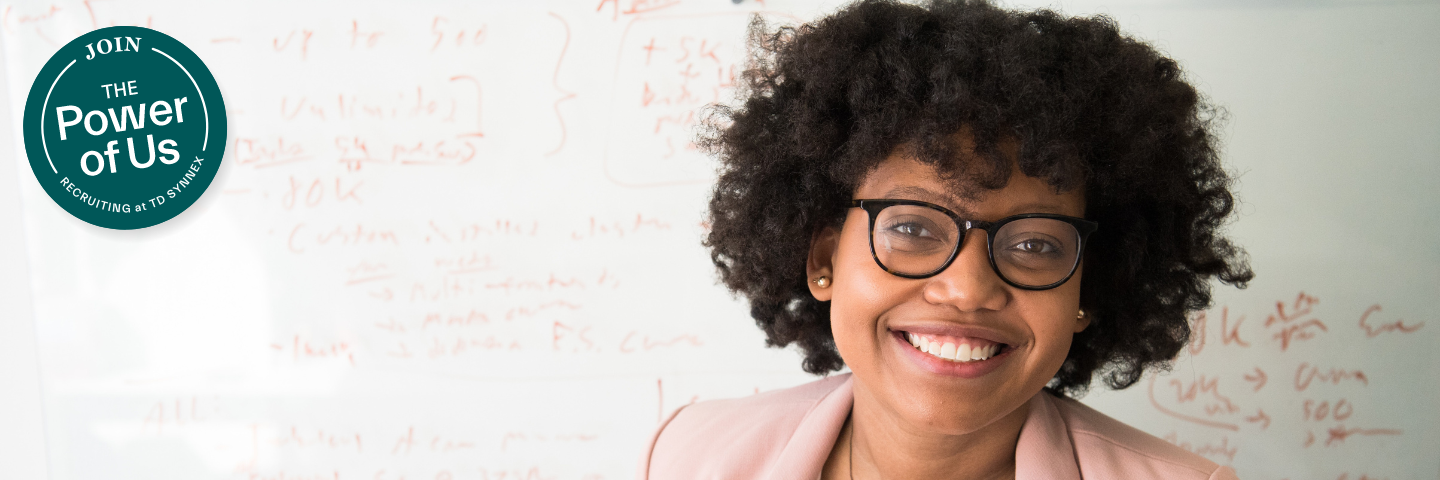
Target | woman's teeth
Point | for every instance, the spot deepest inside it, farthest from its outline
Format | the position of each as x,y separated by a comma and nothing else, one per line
949,351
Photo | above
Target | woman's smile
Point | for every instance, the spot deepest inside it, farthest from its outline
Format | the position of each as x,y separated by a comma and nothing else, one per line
958,356
954,349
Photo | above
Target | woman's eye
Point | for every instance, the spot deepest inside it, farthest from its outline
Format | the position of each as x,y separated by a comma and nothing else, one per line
1034,246
913,234
912,229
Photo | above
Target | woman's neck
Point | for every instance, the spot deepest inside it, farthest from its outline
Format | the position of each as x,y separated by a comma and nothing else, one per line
877,444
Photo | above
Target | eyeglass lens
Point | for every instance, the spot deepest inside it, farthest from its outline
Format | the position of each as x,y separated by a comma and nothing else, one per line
916,240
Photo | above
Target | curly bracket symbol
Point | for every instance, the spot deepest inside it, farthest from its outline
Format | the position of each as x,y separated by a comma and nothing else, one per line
555,82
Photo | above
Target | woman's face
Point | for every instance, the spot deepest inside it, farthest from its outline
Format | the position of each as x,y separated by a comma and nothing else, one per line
873,313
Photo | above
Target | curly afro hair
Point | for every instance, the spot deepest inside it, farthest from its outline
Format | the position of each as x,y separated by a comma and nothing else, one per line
1085,107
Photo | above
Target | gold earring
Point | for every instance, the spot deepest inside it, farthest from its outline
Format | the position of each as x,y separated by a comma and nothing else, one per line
1081,316
822,282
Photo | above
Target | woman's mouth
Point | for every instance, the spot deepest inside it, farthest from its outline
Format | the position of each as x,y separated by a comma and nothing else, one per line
952,355
954,349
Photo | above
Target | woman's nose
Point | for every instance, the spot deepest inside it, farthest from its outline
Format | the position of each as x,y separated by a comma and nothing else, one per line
969,283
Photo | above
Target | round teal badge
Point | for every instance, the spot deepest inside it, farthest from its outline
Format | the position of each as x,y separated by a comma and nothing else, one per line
125,127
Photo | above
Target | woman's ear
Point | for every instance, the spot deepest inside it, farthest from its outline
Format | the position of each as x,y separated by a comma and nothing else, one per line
1082,321
820,263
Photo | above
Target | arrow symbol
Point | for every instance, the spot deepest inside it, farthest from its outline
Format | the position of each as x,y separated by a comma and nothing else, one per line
1260,416
1258,378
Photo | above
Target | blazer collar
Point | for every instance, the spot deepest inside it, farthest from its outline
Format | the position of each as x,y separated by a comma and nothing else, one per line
804,456
1044,450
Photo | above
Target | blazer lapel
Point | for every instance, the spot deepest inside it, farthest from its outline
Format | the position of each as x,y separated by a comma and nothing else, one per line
804,456
1044,450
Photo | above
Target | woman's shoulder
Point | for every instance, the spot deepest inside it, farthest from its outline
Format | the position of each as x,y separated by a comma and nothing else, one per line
1108,448
750,437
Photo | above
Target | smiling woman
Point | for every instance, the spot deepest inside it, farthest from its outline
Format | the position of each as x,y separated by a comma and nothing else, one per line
977,211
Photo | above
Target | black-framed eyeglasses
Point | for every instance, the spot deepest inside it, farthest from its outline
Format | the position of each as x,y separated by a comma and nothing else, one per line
915,239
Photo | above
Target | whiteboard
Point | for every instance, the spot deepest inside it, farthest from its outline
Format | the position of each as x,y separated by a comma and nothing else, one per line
460,240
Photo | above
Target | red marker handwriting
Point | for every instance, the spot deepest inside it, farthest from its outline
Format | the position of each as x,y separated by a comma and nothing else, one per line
555,83
1319,411
317,191
1259,417
637,342
306,349
446,33
1258,378
265,153
298,39
1373,331
1294,323
1213,401
1340,434
179,412
1306,373
365,38
1189,418
634,7
1221,449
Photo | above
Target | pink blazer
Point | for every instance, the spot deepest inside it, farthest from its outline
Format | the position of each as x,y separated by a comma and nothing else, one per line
787,435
